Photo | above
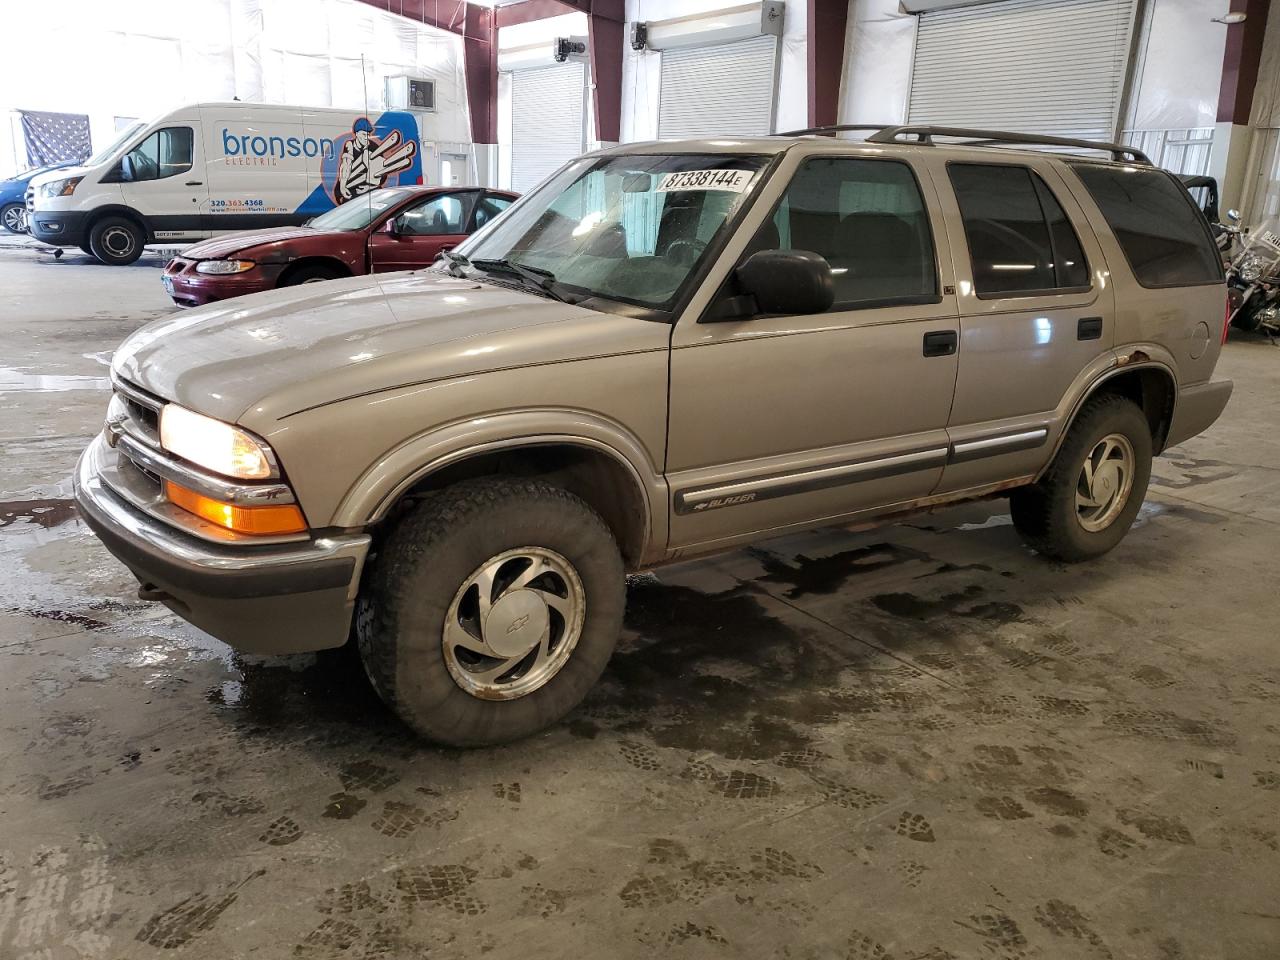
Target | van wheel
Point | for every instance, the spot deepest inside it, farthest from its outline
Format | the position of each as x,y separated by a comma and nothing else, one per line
490,610
116,241
1088,499
311,274
13,216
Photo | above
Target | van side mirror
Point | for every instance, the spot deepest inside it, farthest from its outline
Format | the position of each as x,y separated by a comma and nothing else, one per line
780,282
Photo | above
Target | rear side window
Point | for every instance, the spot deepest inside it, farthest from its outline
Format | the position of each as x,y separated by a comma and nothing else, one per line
868,219
1162,234
1020,240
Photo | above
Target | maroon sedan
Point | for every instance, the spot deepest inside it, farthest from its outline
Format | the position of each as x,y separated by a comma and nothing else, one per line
397,228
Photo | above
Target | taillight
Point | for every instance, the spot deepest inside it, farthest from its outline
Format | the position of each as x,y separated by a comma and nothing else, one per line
1226,318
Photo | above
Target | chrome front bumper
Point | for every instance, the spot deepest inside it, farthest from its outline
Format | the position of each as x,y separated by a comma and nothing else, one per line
269,598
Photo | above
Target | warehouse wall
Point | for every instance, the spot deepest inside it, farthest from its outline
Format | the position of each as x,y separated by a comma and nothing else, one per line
640,70
140,58
1175,92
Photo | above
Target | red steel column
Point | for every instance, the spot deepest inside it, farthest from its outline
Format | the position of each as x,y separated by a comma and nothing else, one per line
825,55
1240,61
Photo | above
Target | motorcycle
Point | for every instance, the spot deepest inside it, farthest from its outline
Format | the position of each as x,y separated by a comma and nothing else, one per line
1253,279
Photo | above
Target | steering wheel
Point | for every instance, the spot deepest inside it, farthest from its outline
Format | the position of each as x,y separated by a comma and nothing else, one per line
684,252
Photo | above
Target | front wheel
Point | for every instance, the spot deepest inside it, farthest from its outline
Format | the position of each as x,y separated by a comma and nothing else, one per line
491,610
13,217
1086,502
116,241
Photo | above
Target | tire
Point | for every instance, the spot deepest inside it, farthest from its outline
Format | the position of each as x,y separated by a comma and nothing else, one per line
116,241
1049,515
85,248
309,274
419,593
13,217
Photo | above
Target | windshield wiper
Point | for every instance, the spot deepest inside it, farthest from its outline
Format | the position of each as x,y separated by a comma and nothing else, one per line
456,261
544,280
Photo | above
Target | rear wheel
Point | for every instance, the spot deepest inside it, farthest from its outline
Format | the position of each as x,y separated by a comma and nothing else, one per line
491,610
13,217
116,241
1086,502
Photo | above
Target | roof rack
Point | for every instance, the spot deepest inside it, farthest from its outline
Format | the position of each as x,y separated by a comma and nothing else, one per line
834,128
986,138
890,133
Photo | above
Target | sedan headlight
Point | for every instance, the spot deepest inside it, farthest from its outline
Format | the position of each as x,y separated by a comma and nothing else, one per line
60,188
214,445
220,267
1250,269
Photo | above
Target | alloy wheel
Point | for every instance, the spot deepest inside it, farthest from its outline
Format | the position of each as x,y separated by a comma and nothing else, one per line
1105,482
513,624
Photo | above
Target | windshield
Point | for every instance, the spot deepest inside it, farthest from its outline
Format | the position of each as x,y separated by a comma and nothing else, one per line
629,228
358,212
1261,250
127,134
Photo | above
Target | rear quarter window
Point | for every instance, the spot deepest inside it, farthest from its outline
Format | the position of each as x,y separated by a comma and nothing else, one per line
1163,236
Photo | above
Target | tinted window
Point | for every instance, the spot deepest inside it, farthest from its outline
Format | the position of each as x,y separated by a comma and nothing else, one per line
1163,236
488,208
437,216
166,153
868,219
1020,240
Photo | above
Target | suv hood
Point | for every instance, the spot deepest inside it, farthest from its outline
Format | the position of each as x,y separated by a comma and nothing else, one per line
219,248
258,358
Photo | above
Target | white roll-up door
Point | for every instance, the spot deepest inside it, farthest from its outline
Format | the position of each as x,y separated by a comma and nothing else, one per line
1032,66
721,91
547,127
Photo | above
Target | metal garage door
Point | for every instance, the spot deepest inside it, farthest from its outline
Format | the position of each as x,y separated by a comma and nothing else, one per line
1033,66
725,90
546,122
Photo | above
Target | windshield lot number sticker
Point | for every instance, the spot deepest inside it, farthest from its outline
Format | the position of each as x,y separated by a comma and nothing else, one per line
732,180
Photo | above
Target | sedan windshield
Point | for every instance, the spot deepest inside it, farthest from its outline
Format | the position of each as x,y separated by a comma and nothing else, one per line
358,212
628,228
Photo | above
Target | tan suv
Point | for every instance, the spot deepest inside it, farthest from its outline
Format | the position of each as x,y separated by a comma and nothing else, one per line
665,350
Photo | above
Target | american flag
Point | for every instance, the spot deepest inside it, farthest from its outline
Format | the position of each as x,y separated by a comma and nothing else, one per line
54,137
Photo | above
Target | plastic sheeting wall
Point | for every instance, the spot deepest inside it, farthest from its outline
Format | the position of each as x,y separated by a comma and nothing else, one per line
141,57
1180,66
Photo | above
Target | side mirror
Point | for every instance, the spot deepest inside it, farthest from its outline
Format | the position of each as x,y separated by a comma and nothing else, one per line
1233,215
781,282
392,227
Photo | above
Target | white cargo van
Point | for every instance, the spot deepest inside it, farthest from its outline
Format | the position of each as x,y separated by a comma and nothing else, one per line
213,167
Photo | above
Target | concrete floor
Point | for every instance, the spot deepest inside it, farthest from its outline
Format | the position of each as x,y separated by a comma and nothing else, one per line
915,742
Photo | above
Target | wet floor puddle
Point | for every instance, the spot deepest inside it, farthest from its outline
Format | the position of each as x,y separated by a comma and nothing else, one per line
15,381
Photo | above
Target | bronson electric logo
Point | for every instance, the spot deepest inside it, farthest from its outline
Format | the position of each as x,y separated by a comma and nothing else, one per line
248,148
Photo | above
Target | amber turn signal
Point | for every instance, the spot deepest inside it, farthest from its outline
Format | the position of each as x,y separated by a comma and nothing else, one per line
272,520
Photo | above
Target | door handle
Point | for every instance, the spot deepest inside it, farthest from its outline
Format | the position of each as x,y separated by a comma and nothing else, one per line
941,343
1089,328
195,183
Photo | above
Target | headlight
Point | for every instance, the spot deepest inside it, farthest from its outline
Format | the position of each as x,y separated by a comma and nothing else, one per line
1250,269
224,266
60,188
212,444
